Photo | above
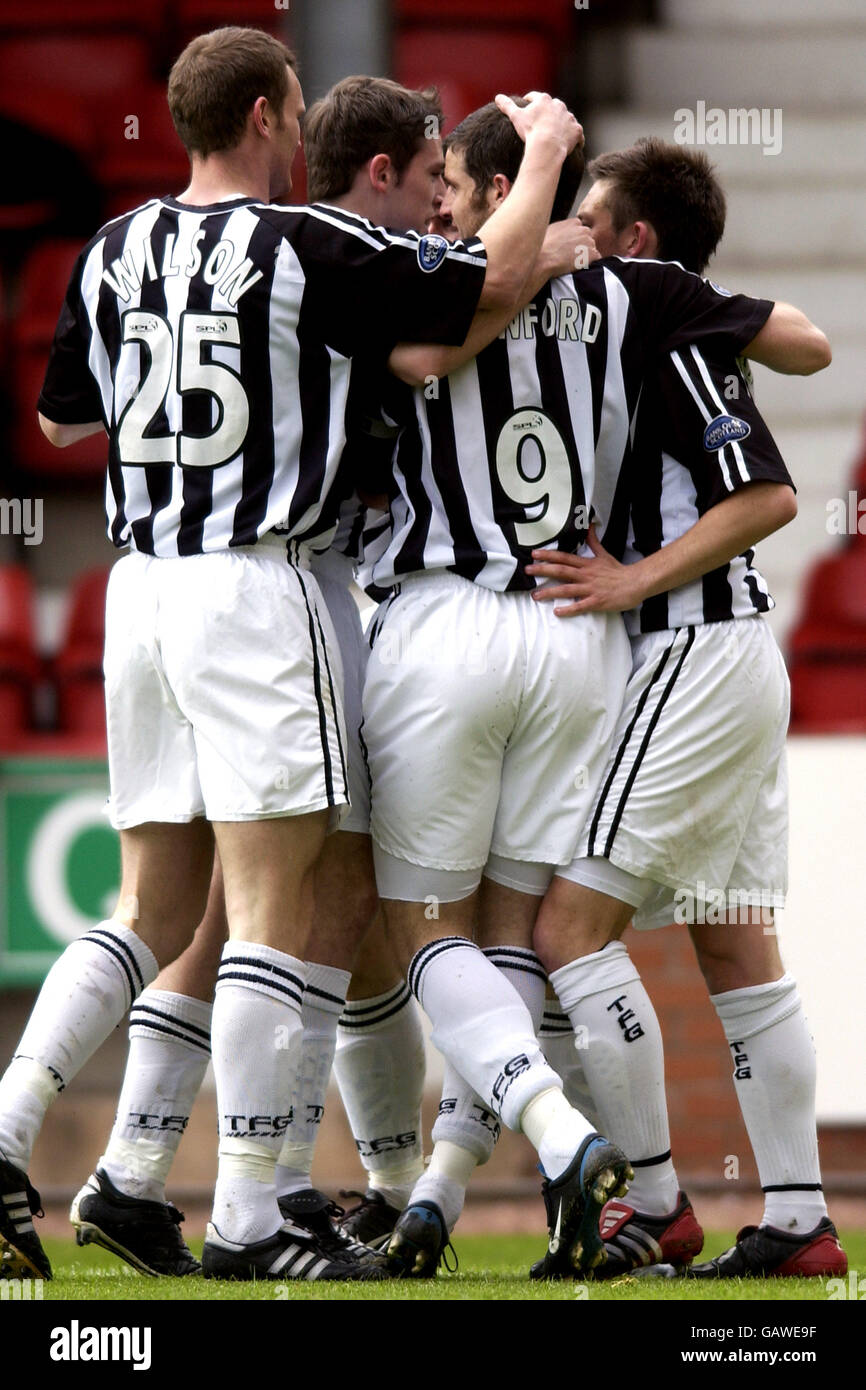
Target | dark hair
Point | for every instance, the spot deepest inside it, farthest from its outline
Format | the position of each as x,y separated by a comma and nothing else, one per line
673,188
217,79
361,117
490,145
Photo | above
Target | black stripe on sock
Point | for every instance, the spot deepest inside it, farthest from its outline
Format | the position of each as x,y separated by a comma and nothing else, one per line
118,956
401,991
348,1021
792,1187
170,1018
323,994
267,984
650,1162
428,953
173,1033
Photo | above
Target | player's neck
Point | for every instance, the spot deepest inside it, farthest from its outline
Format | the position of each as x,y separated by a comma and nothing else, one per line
222,176
362,206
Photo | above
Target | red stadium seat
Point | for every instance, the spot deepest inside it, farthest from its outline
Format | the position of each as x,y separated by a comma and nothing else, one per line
77,668
19,663
829,696
41,290
80,64
42,283
471,65
193,17
555,16
835,598
137,152
828,647
23,17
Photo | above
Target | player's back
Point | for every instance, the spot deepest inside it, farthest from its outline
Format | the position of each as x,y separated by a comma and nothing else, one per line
524,445
218,344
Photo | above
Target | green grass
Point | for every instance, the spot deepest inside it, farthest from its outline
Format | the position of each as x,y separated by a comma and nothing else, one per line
491,1268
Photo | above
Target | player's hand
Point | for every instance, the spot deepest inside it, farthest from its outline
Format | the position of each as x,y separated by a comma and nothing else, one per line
543,118
567,246
592,585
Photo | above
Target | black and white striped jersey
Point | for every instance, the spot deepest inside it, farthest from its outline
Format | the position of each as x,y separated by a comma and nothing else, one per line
699,438
216,344
519,448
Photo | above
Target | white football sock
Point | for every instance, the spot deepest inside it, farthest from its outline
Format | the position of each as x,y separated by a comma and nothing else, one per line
380,1066
481,1025
774,1077
85,995
556,1130
256,1040
324,1001
560,1047
169,1049
463,1118
621,1051
445,1180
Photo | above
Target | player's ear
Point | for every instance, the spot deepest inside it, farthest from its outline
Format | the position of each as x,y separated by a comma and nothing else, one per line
262,116
380,172
643,240
501,187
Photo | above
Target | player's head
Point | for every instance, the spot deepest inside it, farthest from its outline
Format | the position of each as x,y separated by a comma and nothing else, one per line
482,159
374,146
234,81
657,200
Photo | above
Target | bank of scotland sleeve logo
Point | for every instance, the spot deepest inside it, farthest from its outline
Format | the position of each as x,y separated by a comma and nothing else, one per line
432,251
725,429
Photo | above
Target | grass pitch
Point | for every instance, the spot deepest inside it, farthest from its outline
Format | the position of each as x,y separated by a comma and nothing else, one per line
492,1268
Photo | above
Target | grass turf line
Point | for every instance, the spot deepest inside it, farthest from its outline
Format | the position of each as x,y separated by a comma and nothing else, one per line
491,1268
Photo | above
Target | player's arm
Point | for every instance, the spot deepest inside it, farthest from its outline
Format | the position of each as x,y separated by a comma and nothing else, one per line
566,245
790,343
514,234
601,584
61,436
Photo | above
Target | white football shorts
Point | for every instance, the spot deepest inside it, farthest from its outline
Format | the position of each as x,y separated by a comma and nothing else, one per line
487,722
334,574
694,800
223,688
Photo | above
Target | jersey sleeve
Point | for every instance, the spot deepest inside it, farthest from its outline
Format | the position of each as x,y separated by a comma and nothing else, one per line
70,394
374,288
708,422
675,307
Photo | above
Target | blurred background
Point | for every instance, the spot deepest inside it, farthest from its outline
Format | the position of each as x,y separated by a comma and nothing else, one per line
776,90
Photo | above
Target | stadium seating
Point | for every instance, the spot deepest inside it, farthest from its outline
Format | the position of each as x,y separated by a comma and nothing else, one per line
193,17
42,286
59,16
19,663
77,667
136,152
79,64
470,65
827,650
555,16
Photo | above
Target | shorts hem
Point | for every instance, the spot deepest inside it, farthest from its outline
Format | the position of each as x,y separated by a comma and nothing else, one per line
462,867
185,818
